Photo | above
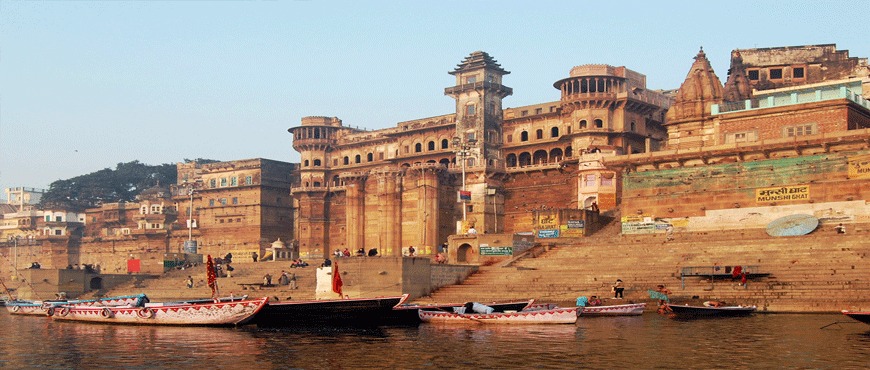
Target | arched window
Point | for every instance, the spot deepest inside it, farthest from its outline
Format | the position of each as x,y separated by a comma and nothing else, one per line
445,162
511,160
317,133
431,145
539,134
525,159
555,155
316,163
554,132
317,184
418,148
335,181
633,126
540,157
583,123
599,123
524,136
445,144
305,163
370,157
346,160
357,159
569,151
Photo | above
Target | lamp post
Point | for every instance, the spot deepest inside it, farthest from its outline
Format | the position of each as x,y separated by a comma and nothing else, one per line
463,151
189,245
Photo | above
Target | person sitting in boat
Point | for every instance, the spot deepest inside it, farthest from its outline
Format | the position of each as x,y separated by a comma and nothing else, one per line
714,304
594,301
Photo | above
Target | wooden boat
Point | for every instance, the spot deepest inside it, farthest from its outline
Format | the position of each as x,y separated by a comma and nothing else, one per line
704,311
631,309
544,316
340,312
41,308
862,316
222,313
407,314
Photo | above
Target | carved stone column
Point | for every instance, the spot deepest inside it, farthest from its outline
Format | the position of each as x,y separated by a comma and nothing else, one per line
355,211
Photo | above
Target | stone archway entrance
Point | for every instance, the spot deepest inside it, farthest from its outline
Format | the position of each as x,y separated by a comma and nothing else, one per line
96,283
463,253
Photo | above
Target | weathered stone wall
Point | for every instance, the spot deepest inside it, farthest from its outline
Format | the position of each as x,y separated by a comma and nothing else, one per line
546,189
729,191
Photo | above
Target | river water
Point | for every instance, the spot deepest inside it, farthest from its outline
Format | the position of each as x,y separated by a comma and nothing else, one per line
761,341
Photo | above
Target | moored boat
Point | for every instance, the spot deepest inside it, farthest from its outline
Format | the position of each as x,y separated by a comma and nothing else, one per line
862,316
407,314
341,312
220,313
631,309
705,311
566,315
21,307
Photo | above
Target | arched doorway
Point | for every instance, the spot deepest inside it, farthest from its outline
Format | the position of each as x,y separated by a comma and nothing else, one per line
463,253
96,283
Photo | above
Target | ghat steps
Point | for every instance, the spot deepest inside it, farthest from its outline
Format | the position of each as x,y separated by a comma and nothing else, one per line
819,272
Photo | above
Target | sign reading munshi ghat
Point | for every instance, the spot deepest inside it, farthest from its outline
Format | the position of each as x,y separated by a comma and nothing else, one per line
859,167
782,194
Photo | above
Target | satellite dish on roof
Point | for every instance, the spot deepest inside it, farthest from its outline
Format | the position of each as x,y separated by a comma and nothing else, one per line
792,225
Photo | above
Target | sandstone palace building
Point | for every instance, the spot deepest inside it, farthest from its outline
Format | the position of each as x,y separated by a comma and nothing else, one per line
789,120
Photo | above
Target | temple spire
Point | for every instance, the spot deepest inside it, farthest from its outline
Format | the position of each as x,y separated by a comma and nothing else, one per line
699,91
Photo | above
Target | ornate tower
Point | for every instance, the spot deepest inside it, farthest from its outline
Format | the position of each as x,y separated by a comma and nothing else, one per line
689,120
315,141
737,86
478,138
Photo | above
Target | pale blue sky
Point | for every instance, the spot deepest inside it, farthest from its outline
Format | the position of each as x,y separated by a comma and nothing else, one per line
85,85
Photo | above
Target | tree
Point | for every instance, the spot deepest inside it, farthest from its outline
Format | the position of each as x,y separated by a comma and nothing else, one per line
108,186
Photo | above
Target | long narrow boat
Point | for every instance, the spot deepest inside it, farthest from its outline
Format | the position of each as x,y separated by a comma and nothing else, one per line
704,311
566,315
862,316
339,312
42,308
631,309
222,313
407,314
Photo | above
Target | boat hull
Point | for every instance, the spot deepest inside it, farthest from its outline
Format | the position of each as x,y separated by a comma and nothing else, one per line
549,316
188,314
41,308
633,309
703,311
409,314
341,312
860,316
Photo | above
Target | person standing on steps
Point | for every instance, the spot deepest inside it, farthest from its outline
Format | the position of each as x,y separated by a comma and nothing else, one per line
189,282
618,288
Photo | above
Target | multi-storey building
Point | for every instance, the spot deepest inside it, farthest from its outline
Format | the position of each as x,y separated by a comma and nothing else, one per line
482,165
238,207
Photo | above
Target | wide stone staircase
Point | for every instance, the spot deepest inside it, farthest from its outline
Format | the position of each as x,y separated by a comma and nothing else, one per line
819,272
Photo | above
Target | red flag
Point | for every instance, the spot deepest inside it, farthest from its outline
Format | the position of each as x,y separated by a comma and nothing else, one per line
336,280
212,276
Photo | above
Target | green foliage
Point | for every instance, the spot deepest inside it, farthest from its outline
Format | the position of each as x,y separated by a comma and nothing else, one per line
108,186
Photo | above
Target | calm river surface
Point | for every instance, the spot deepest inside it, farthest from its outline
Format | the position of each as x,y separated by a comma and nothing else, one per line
645,342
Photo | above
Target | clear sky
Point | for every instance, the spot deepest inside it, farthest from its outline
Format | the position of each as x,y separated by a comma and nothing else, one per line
85,85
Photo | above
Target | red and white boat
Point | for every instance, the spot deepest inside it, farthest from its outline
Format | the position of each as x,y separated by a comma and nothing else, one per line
543,316
222,313
631,309
42,308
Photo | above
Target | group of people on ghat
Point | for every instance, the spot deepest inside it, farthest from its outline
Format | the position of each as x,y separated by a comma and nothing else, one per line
660,293
361,252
